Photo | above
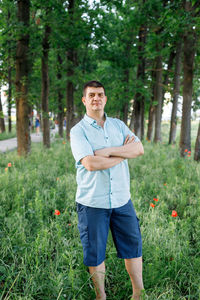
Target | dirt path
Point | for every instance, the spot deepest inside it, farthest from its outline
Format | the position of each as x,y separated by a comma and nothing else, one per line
11,144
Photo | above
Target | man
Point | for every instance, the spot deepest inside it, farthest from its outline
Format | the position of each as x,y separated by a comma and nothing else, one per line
101,146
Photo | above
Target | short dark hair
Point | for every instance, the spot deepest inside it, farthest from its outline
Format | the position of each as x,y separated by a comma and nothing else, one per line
92,83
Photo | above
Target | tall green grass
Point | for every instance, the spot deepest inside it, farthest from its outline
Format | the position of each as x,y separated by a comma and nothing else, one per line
41,254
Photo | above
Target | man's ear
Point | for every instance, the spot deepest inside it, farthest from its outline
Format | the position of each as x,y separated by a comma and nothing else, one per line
106,99
83,100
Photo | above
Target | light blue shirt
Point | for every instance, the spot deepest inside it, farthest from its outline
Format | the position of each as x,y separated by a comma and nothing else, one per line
108,188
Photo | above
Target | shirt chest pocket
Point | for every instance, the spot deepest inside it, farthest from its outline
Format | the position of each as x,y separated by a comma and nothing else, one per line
116,140
97,140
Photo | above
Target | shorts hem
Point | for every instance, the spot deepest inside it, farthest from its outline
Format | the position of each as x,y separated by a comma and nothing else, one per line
94,264
129,257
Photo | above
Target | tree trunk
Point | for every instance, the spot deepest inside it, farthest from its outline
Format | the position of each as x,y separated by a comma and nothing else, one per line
167,72
188,66
137,118
70,103
70,73
45,87
151,121
9,99
158,98
9,80
2,122
126,94
142,118
151,117
197,146
22,68
60,97
176,91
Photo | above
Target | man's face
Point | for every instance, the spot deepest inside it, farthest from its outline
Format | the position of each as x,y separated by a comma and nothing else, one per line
94,100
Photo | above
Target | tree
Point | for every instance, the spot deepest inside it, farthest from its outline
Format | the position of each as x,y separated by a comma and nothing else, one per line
151,115
45,82
8,50
137,117
60,96
22,70
188,68
158,98
176,91
197,146
2,122
71,59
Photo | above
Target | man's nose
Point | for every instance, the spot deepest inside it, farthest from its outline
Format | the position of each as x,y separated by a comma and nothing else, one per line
96,97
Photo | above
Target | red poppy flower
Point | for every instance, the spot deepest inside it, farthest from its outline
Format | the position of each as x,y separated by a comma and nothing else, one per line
155,199
152,205
57,212
64,142
69,224
186,150
189,152
165,184
174,213
6,169
9,164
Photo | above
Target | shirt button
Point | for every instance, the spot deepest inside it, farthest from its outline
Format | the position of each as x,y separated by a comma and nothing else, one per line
110,178
111,193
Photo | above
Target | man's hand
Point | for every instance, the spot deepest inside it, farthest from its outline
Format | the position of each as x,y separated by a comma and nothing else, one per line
129,140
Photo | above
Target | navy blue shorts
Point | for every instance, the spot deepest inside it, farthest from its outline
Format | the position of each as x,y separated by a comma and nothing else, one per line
94,224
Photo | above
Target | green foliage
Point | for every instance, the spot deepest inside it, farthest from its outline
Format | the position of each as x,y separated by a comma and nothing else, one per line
41,253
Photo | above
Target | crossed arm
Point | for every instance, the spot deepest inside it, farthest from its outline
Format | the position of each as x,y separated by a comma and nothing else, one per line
108,157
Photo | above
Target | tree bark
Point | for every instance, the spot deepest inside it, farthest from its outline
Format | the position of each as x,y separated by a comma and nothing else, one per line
166,75
151,117
70,96
137,118
126,93
197,146
158,98
188,66
151,121
2,122
70,72
22,68
176,91
9,80
9,98
45,87
60,97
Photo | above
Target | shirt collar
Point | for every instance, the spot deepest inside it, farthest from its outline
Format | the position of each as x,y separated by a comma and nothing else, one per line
90,120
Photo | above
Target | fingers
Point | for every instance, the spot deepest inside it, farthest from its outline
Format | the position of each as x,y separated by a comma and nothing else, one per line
129,140
126,140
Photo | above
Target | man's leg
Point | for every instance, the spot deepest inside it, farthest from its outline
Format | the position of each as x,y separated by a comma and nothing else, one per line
98,278
134,269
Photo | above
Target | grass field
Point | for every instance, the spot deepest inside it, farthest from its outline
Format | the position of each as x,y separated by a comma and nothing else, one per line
41,254
8,135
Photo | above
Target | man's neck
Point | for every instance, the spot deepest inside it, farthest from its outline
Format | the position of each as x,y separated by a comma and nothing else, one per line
98,116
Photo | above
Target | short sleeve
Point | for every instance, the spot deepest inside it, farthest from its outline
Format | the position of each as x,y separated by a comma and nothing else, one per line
79,144
126,131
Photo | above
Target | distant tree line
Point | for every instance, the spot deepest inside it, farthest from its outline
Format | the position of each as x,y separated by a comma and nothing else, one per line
137,49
